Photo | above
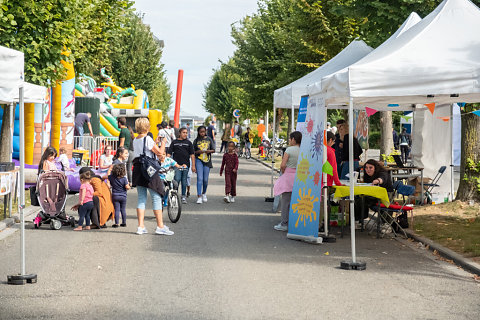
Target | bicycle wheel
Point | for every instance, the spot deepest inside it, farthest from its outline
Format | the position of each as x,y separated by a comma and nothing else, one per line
174,206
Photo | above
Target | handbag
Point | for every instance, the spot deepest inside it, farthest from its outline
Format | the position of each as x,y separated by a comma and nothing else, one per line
149,166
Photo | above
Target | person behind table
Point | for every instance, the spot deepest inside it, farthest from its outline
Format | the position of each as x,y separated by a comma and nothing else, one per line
143,144
63,159
225,138
203,147
181,150
80,120
125,140
332,160
47,161
284,185
106,159
357,151
85,202
119,183
375,174
230,164
405,142
338,146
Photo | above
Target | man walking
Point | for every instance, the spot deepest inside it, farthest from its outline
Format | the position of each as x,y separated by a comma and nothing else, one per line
125,140
189,131
80,120
211,132
181,150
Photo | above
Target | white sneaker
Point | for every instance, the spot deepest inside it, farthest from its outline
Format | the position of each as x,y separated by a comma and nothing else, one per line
184,200
199,200
226,199
141,230
165,231
232,199
280,227
204,197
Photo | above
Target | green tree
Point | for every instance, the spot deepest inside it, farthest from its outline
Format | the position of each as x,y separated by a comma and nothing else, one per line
138,62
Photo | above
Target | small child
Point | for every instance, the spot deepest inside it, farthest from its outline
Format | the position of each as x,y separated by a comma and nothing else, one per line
167,164
120,185
63,159
47,162
230,163
85,201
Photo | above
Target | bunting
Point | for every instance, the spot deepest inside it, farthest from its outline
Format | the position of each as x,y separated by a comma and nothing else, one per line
327,168
476,112
430,106
445,119
406,118
370,112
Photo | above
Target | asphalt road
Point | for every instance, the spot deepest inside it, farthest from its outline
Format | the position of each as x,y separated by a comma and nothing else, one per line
225,261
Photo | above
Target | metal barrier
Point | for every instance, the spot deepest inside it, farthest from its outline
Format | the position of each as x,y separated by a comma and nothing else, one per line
94,147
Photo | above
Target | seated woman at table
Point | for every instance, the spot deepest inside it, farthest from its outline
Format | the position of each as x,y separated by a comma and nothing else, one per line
376,175
332,160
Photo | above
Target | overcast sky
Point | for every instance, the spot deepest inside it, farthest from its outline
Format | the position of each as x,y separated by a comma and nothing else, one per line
196,35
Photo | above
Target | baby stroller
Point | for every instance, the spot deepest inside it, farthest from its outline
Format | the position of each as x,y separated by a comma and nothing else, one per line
52,189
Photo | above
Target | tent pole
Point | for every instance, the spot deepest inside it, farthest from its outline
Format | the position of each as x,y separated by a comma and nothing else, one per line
351,264
325,236
43,131
266,123
273,150
452,179
293,118
12,129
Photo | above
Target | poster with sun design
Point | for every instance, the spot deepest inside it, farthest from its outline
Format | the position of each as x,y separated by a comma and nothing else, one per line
305,204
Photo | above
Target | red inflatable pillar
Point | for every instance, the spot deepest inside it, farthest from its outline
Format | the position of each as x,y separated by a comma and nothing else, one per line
176,117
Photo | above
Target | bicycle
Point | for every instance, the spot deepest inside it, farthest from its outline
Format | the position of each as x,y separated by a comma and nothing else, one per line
174,205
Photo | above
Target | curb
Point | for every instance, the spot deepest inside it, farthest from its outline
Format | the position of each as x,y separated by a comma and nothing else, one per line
265,164
28,214
460,260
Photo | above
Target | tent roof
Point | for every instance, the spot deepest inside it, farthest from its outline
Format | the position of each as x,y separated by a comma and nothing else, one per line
336,86
436,60
290,95
11,73
32,93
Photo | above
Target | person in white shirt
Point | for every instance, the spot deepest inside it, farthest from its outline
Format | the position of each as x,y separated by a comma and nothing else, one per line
106,159
166,133
63,159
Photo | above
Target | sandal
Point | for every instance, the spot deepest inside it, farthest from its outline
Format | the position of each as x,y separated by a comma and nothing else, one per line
79,228
87,228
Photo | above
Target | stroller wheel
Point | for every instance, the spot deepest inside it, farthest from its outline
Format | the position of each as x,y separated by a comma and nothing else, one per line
55,224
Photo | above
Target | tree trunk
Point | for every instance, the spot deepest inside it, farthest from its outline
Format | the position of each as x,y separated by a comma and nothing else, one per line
470,161
278,120
6,135
386,138
289,126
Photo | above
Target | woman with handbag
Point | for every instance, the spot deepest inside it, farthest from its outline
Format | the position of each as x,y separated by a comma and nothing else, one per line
145,176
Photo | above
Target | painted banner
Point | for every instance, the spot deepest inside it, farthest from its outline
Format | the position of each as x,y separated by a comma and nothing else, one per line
305,204
302,114
360,127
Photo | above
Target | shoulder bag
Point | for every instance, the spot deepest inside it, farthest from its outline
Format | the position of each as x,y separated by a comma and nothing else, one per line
150,166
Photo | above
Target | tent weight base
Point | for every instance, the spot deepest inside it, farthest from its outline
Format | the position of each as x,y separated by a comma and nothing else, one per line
350,265
22,279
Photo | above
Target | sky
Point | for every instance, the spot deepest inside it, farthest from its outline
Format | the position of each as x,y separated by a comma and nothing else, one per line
196,35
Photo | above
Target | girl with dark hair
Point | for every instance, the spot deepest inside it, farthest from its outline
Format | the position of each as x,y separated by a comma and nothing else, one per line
120,185
284,184
47,162
203,148
332,160
106,159
85,201
230,164
376,175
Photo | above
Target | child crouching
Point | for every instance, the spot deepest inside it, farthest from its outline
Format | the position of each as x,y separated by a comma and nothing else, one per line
120,185
85,201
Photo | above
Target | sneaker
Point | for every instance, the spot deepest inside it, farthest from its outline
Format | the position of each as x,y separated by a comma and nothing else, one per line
226,199
184,200
280,227
165,231
199,200
141,230
232,199
204,197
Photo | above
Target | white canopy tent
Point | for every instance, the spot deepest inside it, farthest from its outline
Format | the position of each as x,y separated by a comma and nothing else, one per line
32,93
12,87
434,61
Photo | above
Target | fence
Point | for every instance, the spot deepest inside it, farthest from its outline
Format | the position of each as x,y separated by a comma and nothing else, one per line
92,148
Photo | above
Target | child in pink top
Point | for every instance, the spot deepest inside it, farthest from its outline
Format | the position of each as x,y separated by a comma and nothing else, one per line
85,201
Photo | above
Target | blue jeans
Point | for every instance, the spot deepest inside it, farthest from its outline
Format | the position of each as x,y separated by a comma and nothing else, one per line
142,198
80,133
202,177
345,169
84,213
181,175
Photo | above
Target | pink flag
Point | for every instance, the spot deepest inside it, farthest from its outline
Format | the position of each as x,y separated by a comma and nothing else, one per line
370,111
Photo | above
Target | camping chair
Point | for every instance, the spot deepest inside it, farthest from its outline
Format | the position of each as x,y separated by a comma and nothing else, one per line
434,183
395,215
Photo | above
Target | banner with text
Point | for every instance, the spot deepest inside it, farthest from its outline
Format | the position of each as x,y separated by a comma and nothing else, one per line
305,204
302,114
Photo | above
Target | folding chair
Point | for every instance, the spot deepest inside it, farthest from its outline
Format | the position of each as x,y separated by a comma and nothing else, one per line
434,183
390,215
